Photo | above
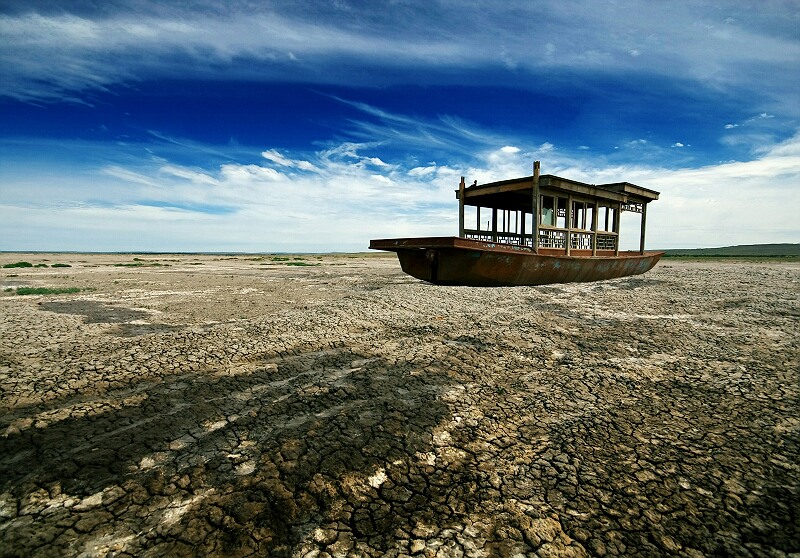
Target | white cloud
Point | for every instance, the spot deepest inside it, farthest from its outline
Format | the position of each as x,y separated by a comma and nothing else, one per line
306,166
276,157
755,120
677,144
376,161
164,206
356,191
247,173
128,175
730,203
64,54
188,174
422,171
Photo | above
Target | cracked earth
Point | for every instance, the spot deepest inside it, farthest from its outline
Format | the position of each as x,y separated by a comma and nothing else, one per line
240,406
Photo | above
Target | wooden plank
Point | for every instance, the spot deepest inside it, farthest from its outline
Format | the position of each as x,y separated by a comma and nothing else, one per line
584,207
461,208
492,190
644,221
555,211
568,223
535,206
643,194
594,228
616,192
573,187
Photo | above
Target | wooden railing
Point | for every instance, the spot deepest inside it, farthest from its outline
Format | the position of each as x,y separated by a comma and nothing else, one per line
501,237
550,238
606,241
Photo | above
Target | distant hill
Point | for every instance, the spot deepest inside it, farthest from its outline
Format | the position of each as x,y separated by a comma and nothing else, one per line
746,250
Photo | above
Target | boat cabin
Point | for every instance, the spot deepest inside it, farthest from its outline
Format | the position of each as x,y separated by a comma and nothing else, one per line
572,218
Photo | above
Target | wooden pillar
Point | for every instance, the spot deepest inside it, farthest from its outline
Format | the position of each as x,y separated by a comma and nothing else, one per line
555,210
644,220
461,208
568,223
617,215
535,207
594,228
478,208
522,228
494,224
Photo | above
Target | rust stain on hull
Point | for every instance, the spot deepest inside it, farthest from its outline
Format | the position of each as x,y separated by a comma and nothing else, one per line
459,261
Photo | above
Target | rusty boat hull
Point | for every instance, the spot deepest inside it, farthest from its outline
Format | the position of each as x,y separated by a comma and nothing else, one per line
477,263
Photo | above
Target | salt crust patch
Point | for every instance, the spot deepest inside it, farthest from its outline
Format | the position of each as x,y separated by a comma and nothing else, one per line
245,468
378,478
105,545
211,427
90,501
174,513
428,458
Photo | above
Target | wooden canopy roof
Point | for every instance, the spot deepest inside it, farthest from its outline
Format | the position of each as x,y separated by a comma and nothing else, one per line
516,193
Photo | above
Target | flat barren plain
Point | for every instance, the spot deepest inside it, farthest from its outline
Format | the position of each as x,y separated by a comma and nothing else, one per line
195,405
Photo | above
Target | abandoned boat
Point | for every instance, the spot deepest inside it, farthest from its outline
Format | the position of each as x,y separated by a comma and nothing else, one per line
575,237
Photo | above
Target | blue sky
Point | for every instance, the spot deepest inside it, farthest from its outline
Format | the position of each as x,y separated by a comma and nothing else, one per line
315,126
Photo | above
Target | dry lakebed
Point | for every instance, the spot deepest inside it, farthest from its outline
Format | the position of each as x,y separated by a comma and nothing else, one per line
217,405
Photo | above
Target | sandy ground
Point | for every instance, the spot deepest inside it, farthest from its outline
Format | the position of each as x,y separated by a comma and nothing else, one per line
238,406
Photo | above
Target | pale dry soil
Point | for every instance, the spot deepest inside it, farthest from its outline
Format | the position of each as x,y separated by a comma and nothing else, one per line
237,406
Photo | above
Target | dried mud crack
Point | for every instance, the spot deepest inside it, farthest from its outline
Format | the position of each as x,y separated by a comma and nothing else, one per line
232,407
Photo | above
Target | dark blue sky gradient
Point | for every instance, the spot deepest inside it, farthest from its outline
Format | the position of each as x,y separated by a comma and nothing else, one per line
599,113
